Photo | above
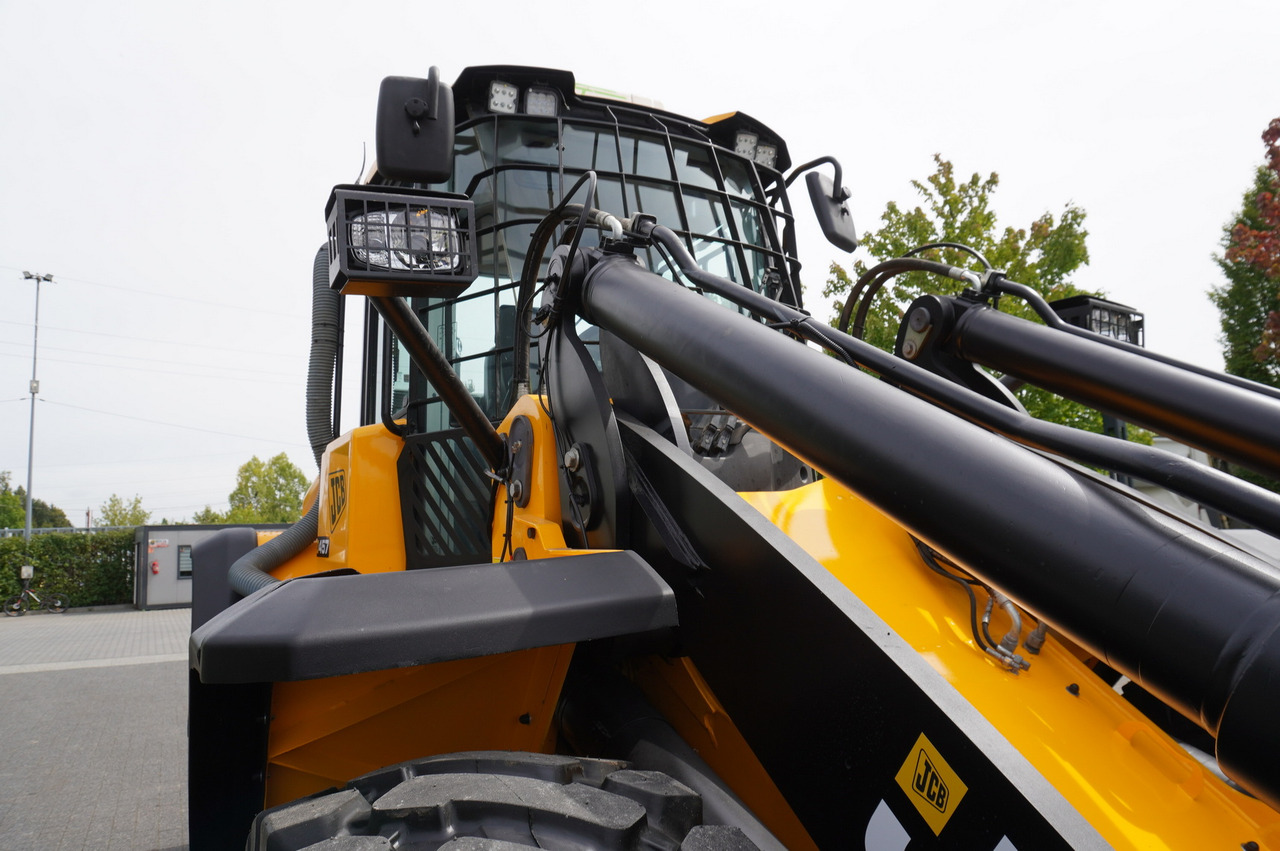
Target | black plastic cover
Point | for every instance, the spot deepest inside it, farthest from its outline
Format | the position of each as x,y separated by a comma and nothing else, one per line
832,212
321,627
415,129
211,561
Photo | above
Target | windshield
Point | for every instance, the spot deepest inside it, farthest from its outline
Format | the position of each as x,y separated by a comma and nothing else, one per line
516,168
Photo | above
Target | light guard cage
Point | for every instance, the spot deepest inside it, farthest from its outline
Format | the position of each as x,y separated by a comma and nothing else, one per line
402,242
1108,318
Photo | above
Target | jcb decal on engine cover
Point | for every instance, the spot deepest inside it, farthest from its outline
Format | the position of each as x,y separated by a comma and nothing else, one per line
931,784
337,496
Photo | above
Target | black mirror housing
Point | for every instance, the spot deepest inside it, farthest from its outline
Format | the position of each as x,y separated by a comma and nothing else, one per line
415,129
832,212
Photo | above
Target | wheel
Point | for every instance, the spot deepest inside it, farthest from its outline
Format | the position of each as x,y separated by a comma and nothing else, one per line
56,603
13,606
498,801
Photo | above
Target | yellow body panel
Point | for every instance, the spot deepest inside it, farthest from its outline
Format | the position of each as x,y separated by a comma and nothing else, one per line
1126,777
325,732
535,528
675,687
359,496
1133,783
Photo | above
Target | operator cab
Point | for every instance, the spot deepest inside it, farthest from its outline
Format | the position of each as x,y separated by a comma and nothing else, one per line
522,138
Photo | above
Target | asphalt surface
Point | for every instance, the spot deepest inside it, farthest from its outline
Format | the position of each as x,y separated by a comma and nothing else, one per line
93,713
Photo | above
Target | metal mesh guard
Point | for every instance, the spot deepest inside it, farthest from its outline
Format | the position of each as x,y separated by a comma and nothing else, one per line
444,495
383,243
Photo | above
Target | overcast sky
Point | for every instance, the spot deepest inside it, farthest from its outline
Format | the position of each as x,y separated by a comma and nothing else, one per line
169,163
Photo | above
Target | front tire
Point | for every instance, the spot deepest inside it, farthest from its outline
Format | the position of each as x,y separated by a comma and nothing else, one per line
499,801
56,603
13,606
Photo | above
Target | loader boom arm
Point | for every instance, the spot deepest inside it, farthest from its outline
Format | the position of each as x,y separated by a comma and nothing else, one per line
1183,613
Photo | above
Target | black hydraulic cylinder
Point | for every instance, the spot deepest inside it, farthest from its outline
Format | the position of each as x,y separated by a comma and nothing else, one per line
1180,611
426,356
1223,419
1199,482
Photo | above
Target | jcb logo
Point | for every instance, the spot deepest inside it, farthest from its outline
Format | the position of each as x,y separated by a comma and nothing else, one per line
932,786
928,783
337,496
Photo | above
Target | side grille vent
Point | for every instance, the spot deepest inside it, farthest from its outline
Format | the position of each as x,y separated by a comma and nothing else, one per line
445,497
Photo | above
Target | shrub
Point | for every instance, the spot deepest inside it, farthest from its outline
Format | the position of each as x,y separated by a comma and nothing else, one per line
92,570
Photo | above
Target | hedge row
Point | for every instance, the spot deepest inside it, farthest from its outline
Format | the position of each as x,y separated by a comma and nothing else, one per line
92,570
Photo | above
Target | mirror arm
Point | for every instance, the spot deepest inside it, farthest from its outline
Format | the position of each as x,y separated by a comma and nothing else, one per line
839,193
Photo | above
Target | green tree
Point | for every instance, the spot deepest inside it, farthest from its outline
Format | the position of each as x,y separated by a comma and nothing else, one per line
1250,261
266,492
1042,256
118,511
13,511
1248,295
43,515
1248,305
208,517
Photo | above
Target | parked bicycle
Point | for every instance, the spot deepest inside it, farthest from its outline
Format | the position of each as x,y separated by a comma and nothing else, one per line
28,599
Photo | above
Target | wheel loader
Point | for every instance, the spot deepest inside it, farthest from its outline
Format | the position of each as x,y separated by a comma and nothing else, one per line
630,551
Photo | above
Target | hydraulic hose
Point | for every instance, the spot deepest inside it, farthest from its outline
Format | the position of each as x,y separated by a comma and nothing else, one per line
251,572
874,278
524,299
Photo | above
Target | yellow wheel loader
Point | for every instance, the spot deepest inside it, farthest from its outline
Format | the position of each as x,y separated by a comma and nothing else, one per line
629,551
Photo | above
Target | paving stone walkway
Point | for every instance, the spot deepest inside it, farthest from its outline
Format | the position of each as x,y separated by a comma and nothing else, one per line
93,714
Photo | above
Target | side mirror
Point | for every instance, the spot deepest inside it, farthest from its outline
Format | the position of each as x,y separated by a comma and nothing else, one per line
415,129
833,214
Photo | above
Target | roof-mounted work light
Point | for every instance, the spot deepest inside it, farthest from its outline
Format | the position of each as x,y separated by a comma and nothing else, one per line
541,102
503,97
1108,318
400,242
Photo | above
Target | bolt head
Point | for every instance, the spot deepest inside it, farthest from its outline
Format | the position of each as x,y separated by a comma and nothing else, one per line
919,319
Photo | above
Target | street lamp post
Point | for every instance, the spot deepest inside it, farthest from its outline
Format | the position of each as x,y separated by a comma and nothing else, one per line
35,388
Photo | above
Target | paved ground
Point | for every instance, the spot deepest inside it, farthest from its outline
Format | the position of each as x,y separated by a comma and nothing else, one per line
93,717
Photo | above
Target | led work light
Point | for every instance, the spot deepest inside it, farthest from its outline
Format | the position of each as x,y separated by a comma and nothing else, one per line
1108,318
766,155
748,144
402,242
541,102
503,97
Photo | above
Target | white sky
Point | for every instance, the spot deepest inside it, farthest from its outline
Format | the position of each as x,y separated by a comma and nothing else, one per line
169,163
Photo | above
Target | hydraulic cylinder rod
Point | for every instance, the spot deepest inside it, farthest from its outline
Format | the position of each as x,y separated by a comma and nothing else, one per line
1185,614
1223,419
